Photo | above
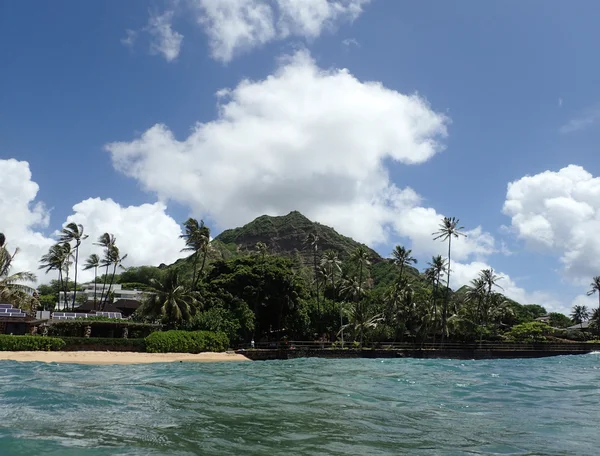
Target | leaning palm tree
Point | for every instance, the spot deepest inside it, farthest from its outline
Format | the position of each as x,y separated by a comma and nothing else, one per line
106,241
595,287
171,300
93,262
197,239
448,229
12,285
57,259
580,314
73,232
116,260
402,257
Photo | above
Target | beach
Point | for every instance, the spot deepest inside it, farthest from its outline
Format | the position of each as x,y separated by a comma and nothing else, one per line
96,357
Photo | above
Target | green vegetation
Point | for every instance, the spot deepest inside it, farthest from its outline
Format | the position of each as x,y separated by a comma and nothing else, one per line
30,343
103,343
280,278
186,342
534,331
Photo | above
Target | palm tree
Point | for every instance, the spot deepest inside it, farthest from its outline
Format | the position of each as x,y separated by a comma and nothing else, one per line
197,239
93,262
115,258
105,241
402,257
448,229
12,288
361,320
171,300
580,314
595,287
312,241
361,258
437,269
73,232
57,259
332,266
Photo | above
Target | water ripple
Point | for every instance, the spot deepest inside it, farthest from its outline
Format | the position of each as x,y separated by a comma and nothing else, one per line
307,407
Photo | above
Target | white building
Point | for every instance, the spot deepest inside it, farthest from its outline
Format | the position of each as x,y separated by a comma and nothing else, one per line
88,290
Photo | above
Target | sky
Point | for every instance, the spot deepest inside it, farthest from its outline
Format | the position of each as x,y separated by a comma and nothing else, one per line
376,117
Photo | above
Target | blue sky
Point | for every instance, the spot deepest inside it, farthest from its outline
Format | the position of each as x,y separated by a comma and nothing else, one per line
505,90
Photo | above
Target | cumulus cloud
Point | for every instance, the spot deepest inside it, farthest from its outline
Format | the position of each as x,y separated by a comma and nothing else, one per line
236,26
22,217
559,213
303,138
146,233
164,40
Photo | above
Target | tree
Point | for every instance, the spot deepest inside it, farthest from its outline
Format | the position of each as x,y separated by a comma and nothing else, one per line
114,258
558,320
332,266
73,232
595,288
57,259
448,229
106,241
13,288
93,262
172,301
402,257
580,314
197,239
312,241
437,269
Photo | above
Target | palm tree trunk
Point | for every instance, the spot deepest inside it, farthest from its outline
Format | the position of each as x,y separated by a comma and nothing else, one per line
112,278
447,297
66,288
195,270
202,268
75,277
102,297
95,282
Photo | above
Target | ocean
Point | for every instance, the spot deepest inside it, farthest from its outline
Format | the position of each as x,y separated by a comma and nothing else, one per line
548,406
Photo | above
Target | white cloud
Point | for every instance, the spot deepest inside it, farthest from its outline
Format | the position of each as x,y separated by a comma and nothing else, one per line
236,26
129,39
559,212
164,40
350,42
463,273
146,233
591,302
22,215
304,139
585,119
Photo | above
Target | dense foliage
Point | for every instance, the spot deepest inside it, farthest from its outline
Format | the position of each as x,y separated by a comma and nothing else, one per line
30,343
186,342
103,343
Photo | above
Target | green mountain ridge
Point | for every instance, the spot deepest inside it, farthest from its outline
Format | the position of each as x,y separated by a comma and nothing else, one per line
284,235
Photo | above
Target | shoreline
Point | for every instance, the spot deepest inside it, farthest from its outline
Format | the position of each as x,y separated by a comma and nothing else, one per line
108,357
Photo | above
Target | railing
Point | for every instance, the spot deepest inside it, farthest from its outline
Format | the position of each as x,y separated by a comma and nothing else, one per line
484,346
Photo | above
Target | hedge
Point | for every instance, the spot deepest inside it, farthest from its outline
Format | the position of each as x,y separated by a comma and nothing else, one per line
30,343
103,344
186,342
100,328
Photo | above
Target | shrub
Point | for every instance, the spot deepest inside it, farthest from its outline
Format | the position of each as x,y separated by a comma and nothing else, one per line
534,331
571,334
101,327
103,343
30,343
186,342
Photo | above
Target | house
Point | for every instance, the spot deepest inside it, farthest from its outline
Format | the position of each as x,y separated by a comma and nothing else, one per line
117,291
582,327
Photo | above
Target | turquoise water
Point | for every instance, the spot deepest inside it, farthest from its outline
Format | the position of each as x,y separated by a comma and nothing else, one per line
313,406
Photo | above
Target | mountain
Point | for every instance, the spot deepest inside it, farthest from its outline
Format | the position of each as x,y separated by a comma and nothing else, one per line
285,235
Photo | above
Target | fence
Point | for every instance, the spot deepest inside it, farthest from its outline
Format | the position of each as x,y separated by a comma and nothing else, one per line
484,346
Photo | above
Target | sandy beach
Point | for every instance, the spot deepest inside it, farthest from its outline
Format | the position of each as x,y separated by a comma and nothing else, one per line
96,357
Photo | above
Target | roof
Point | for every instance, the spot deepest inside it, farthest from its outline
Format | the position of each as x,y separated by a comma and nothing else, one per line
584,325
89,306
127,304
